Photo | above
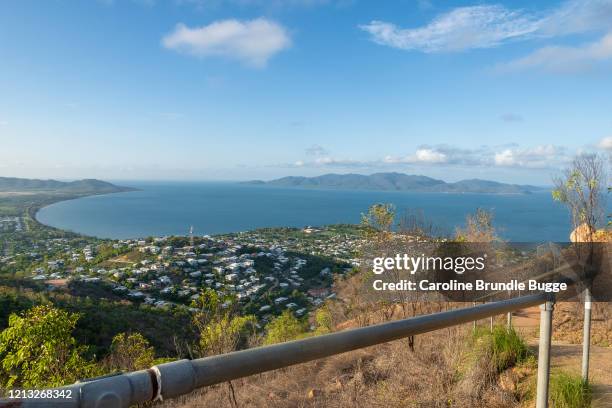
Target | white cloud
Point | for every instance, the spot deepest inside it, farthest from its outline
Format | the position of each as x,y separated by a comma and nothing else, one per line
537,157
563,59
544,156
605,143
486,26
253,42
422,155
578,16
429,156
444,154
486,157
505,158
460,29
444,157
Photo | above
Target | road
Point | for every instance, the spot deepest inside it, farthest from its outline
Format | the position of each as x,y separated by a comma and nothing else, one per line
568,357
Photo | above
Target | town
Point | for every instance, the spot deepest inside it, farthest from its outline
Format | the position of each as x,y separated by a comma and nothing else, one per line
260,273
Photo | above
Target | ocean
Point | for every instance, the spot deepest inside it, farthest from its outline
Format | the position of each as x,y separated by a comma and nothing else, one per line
171,208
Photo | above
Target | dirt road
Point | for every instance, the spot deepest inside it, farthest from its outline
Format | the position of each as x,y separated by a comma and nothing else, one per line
568,357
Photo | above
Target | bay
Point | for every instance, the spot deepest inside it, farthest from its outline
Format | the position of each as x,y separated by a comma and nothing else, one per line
171,208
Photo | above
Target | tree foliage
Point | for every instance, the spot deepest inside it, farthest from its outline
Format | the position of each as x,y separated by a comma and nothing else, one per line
220,330
581,188
223,334
379,221
323,320
130,352
478,228
37,350
285,327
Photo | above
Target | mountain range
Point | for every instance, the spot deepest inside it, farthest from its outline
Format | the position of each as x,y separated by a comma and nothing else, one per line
398,182
89,186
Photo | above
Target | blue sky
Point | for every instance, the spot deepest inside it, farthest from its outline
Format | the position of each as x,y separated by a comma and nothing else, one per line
242,89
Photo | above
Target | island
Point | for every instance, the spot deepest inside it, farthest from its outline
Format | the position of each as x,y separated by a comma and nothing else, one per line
398,182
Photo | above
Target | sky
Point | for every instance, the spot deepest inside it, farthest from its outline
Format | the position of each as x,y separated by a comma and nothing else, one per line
254,89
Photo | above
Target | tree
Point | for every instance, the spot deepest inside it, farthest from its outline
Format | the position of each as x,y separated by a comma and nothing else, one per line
223,334
379,221
220,330
130,352
580,189
284,328
324,321
208,302
37,350
479,228
413,223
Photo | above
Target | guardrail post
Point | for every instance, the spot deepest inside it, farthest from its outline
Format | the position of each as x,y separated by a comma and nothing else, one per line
586,335
474,322
546,311
509,316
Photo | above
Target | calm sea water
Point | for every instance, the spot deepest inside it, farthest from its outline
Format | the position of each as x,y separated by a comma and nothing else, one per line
171,208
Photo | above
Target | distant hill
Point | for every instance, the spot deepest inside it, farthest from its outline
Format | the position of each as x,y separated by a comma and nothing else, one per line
86,186
398,182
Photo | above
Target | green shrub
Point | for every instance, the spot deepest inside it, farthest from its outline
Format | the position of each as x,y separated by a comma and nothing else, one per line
324,321
37,350
505,347
224,333
131,352
569,391
285,327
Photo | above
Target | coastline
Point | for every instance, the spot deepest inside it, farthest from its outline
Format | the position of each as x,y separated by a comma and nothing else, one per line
32,211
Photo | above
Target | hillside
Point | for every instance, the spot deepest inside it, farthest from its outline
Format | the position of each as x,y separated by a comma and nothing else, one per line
90,186
398,182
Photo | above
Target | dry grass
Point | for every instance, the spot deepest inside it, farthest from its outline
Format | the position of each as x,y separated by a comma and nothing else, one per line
568,320
388,375
443,370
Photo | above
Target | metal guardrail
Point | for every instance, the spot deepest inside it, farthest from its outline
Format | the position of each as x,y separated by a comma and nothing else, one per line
569,281
183,376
